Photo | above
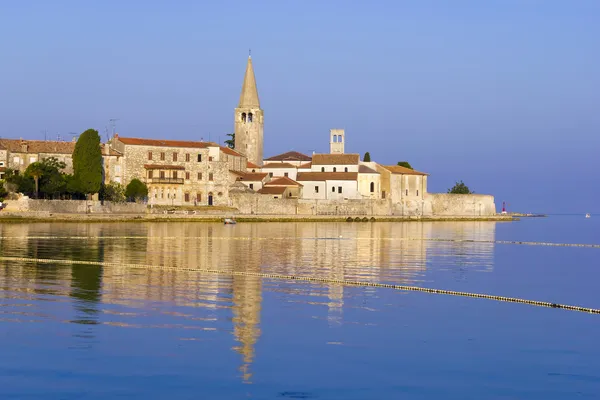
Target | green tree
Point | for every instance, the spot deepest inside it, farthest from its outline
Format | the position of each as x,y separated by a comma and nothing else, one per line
114,192
87,162
3,191
405,164
367,157
230,142
460,188
36,171
136,190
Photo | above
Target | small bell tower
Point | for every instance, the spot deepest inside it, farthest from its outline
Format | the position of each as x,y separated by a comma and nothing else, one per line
337,139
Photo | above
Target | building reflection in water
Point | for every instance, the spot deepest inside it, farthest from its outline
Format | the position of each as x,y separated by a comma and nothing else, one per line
377,252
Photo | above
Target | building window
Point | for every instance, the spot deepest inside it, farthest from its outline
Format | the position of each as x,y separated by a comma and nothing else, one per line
31,160
333,189
285,174
199,176
162,174
322,169
150,155
187,157
162,156
187,176
290,194
253,170
417,192
383,194
243,117
187,197
117,169
346,169
150,174
118,179
175,174
16,160
210,176
407,192
251,186
372,187
1,163
339,189
316,189
334,169
270,174
199,157
174,156
210,158
249,117
198,197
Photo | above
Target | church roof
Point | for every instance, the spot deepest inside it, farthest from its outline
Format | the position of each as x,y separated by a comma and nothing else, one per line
397,169
279,165
165,143
327,176
272,190
290,156
251,165
283,181
335,159
249,95
363,169
250,176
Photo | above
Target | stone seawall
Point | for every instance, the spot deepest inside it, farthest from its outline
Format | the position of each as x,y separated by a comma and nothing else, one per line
74,207
461,204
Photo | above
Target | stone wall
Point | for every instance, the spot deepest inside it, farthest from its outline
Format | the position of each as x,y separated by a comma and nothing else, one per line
74,207
444,204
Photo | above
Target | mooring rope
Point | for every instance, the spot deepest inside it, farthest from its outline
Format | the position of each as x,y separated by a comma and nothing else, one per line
308,279
551,244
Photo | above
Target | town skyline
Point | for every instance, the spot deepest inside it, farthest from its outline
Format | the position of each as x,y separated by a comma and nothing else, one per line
435,89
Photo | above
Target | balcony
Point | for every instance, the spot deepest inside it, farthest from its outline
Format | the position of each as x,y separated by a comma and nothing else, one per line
172,181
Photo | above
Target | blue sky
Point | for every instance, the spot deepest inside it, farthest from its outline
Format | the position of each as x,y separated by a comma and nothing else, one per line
503,95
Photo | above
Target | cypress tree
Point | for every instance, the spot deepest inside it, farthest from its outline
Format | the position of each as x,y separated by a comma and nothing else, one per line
87,162
367,157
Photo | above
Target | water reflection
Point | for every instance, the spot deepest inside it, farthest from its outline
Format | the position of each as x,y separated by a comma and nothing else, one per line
400,253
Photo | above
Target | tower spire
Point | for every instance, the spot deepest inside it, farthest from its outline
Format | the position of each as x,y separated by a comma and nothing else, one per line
249,95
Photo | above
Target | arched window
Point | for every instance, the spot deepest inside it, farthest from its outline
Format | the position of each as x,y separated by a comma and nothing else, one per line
346,169
249,117
334,138
322,169
340,139
243,117
334,169
372,187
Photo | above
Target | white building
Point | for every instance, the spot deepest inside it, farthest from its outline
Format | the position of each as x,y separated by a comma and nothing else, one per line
329,185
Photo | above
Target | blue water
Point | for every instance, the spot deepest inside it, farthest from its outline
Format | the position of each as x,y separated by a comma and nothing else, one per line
89,332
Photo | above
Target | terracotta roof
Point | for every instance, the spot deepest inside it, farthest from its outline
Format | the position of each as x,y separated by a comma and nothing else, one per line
396,169
165,143
250,176
158,166
229,151
327,176
289,156
272,190
279,165
307,165
335,159
38,146
251,165
2,169
283,181
363,169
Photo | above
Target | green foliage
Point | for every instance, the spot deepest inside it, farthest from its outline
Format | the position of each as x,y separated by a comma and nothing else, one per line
460,188
405,164
87,162
46,176
113,192
367,157
3,191
136,190
230,142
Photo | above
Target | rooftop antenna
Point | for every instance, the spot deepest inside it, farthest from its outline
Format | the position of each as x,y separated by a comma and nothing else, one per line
113,124
57,137
249,53
45,134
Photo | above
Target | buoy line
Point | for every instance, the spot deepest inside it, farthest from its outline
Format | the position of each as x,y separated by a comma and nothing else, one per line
597,246
309,279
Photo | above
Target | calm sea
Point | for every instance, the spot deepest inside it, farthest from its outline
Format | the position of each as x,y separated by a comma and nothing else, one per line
98,332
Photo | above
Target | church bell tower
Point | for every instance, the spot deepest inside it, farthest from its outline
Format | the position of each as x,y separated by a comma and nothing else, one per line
248,126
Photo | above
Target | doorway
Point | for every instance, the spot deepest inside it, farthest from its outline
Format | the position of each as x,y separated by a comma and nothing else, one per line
210,199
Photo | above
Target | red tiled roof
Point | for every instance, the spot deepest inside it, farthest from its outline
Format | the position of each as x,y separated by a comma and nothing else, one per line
279,165
165,143
229,151
250,176
158,166
251,165
307,165
283,181
272,190
335,159
397,169
38,146
363,169
289,156
327,176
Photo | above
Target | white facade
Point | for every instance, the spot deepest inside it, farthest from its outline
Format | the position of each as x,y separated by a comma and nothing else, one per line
284,169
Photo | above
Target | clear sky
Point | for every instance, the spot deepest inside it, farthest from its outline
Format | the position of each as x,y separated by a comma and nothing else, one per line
502,94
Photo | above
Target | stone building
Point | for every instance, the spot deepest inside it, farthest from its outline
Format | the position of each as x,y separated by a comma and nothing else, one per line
249,120
17,154
180,172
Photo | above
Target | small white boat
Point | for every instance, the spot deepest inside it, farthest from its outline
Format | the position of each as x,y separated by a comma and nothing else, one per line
229,221
588,215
